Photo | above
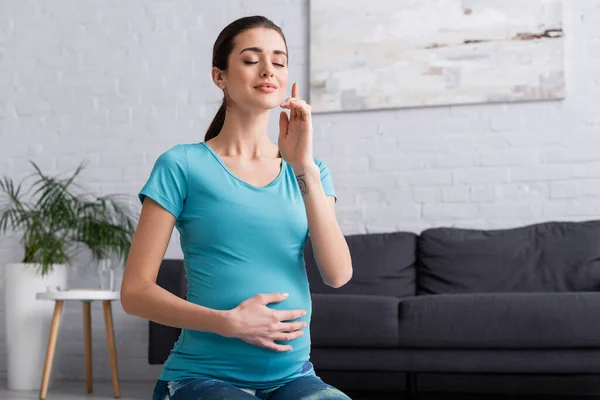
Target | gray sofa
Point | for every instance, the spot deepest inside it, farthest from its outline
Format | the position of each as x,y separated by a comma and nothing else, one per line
506,310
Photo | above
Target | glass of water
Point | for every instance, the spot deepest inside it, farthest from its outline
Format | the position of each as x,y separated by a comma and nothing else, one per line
106,274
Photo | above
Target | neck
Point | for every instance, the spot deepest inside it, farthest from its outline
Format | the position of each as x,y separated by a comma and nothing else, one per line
244,134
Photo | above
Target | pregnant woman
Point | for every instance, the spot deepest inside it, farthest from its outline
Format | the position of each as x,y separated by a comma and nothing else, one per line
244,208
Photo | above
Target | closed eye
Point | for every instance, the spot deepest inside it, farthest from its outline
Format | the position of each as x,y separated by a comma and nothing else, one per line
256,62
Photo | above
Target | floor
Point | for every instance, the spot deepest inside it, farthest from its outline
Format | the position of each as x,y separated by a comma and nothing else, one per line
75,390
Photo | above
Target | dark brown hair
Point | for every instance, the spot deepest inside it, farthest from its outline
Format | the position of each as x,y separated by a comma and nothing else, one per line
222,49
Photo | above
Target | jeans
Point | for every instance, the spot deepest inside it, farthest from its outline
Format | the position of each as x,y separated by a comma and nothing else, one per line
305,387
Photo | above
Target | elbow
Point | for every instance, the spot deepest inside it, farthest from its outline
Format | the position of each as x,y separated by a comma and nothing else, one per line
134,297
128,300
340,280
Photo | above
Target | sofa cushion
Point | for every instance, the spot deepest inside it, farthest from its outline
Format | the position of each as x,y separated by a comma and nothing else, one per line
545,257
466,361
383,264
340,320
500,321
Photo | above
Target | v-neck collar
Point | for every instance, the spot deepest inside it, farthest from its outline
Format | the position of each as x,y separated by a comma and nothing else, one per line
226,168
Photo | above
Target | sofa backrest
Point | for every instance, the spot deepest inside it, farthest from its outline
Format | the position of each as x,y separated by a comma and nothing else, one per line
383,264
548,257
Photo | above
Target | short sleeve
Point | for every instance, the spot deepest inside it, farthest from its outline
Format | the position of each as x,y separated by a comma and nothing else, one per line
167,184
326,180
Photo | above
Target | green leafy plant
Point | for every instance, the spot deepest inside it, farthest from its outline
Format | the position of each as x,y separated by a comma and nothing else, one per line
55,217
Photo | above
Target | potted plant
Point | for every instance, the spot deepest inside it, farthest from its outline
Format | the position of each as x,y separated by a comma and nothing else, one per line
54,218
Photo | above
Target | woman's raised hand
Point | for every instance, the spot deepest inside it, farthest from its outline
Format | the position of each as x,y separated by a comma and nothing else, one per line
296,133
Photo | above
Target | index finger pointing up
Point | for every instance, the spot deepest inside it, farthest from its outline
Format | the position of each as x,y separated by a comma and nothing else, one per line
295,90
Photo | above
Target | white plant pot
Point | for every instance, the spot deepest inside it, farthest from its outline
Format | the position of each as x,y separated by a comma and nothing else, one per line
28,321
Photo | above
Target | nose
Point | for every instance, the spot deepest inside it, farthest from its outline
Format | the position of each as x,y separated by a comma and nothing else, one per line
267,72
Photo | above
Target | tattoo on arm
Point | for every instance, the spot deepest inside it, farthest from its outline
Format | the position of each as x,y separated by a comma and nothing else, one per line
302,184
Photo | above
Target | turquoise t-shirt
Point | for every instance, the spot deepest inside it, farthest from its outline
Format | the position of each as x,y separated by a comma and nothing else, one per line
238,240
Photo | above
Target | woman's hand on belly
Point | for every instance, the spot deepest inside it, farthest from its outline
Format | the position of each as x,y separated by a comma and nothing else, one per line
255,323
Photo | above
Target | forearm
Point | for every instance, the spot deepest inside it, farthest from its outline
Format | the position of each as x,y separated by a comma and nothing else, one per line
329,245
152,302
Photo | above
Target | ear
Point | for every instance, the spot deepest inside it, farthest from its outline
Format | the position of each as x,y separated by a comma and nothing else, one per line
218,77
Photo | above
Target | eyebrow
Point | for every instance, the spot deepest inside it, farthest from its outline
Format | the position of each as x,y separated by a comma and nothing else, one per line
259,50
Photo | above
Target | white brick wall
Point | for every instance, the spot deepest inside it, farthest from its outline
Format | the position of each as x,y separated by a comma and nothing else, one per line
117,83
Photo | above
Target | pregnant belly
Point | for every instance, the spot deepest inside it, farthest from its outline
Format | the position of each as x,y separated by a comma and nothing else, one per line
228,289
224,287
235,360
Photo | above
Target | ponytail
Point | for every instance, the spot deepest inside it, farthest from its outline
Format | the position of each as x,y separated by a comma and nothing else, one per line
217,124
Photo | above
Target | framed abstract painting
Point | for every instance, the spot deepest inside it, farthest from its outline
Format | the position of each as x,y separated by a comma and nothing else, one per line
384,54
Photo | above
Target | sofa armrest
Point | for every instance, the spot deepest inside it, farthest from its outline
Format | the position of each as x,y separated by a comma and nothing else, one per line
343,320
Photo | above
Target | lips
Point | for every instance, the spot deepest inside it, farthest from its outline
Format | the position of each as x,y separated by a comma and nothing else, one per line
267,88
267,85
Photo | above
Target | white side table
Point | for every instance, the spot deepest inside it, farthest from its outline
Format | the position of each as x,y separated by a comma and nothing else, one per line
85,296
